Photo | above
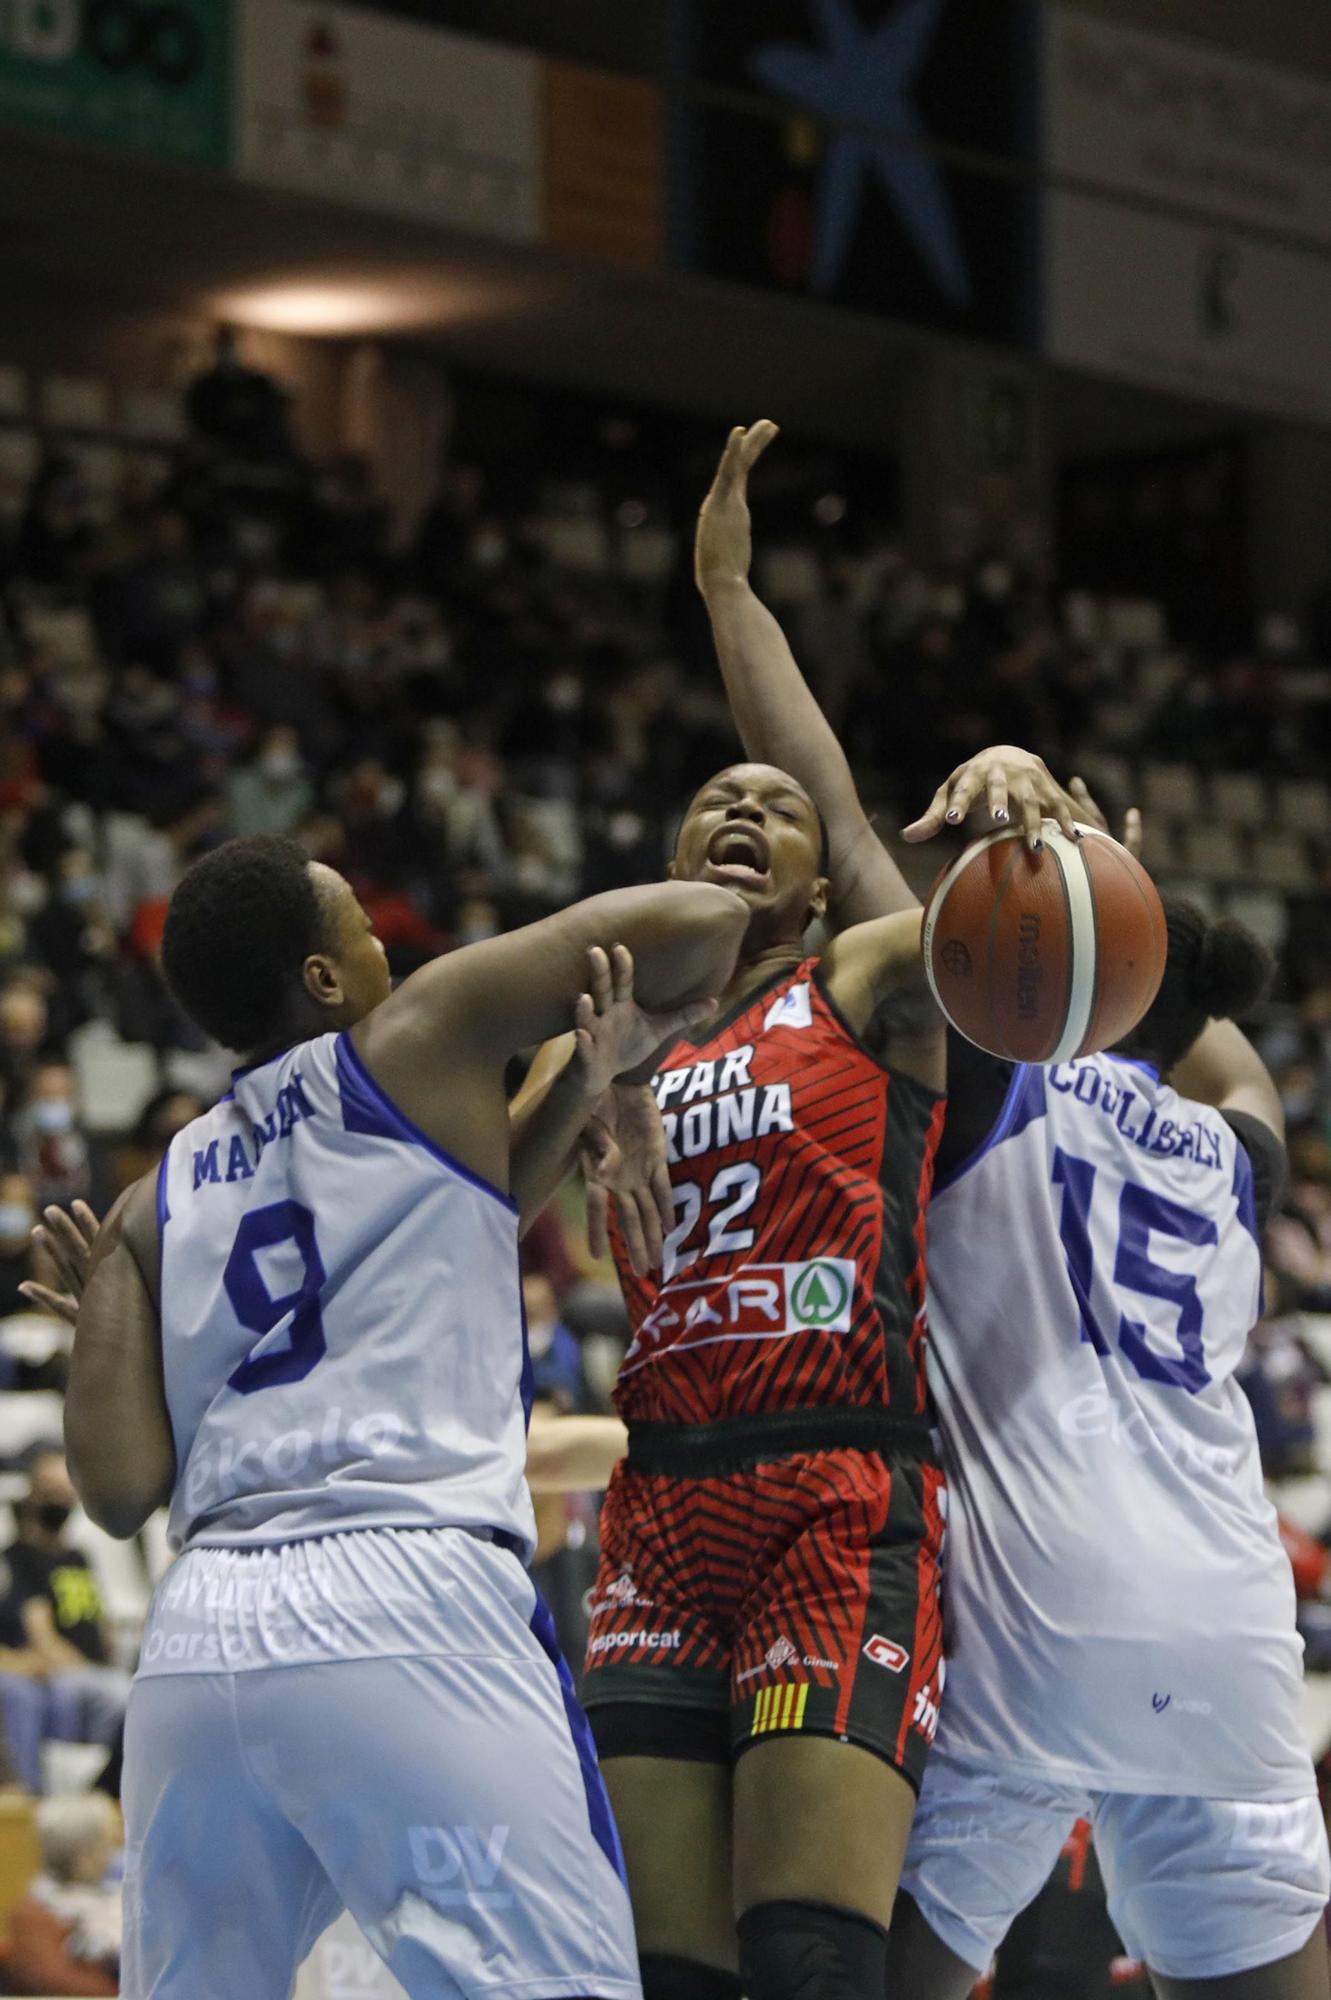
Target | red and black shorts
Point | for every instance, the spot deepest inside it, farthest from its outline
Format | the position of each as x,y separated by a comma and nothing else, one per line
764,1576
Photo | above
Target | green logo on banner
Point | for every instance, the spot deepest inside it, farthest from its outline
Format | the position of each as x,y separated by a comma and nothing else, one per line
154,74
820,1295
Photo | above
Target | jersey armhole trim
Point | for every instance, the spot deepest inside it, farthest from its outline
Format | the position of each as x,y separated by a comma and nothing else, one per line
396,1124
163,1212
1002,1126
896,1077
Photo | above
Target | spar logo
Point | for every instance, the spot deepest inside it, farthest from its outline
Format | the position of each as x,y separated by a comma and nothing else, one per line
820,1296
761,1302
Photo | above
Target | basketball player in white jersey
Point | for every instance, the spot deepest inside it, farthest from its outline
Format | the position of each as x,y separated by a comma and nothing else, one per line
305,1334
1120,1611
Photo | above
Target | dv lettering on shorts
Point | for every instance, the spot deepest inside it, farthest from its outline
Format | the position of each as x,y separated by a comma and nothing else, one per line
461,1865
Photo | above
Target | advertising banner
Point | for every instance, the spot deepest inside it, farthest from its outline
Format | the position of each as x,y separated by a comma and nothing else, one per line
410,120
125,73
1192,307
855,153
1134,113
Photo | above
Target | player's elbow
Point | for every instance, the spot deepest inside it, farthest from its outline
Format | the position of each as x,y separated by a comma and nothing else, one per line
119,1489
718,919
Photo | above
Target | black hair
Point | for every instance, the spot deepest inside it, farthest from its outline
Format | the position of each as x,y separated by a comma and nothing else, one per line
824,839
1213,972
240,927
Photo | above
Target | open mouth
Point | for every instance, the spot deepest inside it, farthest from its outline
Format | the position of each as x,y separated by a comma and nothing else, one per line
739,854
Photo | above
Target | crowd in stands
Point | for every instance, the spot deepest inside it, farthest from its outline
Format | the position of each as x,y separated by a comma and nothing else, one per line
478,717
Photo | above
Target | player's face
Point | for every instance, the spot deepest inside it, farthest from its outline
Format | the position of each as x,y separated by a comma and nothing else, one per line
754,829
358,960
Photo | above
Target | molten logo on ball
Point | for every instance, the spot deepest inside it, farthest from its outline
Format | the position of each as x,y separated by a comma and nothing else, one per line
1029,970
956,958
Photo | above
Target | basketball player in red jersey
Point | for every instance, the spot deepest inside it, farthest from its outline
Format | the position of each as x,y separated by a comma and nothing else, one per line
763,1663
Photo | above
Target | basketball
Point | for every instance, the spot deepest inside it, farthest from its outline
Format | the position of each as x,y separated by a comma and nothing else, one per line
1042,957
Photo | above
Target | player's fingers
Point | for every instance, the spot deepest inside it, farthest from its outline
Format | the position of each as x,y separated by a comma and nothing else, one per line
1133,832
621,972
70,1273
1059,806
1087,810
731,458
653,1236
63,1304
598,1220
1027,806
962,795
664,1199
996,794
930,821
634,1241
599,978
87,1221
69,1237
756,440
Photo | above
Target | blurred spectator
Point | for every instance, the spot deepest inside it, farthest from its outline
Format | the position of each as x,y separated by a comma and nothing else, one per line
18,1216
65,1934
557,1370
56,1680
238,409
52,1151
1280,1376
272,794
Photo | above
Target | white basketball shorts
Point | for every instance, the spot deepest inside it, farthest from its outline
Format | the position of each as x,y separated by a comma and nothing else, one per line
446,1793
1198,1888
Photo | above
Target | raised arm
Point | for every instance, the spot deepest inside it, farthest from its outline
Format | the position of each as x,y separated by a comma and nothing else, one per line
775,712
118,1437
782,724
1222,1068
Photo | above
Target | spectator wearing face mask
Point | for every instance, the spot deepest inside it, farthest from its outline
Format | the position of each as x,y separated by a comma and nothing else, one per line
56,1680
52,1150
18,1216
273,794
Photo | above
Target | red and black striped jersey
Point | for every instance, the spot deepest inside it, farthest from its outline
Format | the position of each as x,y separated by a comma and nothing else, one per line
794,1277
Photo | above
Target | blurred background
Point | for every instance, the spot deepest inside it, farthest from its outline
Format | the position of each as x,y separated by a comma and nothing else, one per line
361,371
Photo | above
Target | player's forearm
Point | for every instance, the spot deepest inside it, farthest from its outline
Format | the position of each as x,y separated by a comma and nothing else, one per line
780,723
545,1121
1222,1068
573,1454
118,1436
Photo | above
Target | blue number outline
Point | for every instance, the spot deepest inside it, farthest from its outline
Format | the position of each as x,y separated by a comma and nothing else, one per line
1141,1213
256,1308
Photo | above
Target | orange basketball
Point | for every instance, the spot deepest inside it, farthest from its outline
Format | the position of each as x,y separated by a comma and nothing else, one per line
1042,957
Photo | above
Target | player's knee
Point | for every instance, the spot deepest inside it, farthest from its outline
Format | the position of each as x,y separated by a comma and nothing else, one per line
810,1951
667,1978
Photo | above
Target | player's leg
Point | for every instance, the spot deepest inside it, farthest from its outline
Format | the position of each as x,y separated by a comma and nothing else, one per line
1303,1976
982,1847
1224,1900
657,1687
222,1895
453,1798
674,1818
837,1678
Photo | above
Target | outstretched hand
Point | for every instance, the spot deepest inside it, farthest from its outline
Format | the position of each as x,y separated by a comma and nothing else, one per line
67,1238
723,551
612,1034
1091,814
1007,783
624,1155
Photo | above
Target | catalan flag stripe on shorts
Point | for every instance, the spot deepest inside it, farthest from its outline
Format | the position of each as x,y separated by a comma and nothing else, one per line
779,1708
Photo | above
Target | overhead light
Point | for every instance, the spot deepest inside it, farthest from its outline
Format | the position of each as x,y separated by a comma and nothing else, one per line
328,308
